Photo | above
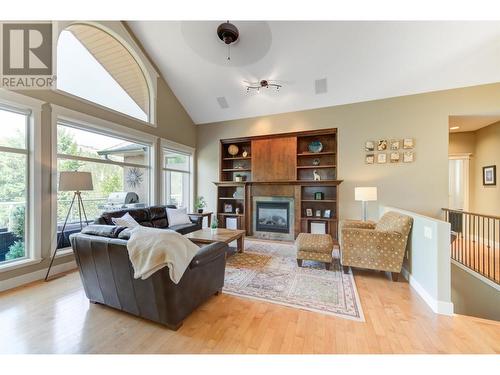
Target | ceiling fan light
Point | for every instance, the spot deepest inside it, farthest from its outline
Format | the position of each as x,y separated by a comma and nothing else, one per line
227,32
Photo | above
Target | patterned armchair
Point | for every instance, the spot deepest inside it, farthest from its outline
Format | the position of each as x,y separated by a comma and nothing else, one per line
377,246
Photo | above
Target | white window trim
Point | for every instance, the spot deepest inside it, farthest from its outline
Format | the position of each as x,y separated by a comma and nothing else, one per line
121,34
34,233
174,146
91,123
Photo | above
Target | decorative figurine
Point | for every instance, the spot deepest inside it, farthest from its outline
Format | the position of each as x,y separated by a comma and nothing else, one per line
316,175
316,162
244,154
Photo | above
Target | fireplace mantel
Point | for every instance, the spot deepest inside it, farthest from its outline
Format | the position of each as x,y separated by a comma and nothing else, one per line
290,182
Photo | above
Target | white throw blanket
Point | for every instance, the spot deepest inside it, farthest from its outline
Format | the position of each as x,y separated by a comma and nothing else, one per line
151,249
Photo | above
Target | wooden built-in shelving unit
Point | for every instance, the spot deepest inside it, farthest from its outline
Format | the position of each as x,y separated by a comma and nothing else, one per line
280,164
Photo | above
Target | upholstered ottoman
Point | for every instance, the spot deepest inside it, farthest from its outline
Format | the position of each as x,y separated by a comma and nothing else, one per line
316,247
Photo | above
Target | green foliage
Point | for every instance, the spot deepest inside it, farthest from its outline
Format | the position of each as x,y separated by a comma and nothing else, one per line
16,250
66,145
215,223
17,221
13,177
111,183
200,203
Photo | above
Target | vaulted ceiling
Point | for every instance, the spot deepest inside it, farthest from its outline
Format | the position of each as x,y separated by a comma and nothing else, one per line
360,60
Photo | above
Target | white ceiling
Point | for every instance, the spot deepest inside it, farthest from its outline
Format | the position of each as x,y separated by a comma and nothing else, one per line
361,60
471,123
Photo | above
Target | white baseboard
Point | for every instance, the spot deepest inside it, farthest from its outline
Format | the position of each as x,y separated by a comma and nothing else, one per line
35,276
439,307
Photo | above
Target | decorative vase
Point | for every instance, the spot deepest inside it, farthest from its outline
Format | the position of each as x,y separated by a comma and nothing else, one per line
315,146
200,210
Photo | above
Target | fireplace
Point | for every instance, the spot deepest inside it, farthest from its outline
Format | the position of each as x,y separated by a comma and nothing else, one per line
273,218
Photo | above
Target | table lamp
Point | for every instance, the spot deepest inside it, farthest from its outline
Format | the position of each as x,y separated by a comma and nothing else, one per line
365,194
75,182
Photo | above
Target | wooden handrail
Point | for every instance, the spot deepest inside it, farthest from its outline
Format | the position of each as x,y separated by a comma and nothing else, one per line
471,213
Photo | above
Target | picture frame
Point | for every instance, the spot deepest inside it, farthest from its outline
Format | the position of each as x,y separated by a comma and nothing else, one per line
395,144
490,175
370,159
381,158
318,213
369,146
309,212
228,208
327,214
319,196
408,143
382,145
394,157
408,157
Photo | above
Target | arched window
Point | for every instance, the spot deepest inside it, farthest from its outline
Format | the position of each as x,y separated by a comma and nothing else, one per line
93,65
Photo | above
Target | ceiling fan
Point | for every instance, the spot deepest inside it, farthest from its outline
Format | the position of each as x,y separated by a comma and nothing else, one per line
263,83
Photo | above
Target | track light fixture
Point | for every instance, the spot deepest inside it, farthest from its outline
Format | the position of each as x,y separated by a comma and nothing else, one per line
262,84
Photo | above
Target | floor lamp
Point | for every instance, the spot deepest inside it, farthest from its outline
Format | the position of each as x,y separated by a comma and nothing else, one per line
75,182
365,194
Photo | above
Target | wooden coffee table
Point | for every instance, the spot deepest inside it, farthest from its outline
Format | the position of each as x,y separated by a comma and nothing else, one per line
208,235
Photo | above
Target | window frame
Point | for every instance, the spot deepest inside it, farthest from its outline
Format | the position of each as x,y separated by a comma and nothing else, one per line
15,102
179,148
122,35
64,116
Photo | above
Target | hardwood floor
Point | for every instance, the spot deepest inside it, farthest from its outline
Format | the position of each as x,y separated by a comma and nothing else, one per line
56,317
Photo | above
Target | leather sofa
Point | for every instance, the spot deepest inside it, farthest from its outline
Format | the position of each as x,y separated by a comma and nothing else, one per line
108,277
154,216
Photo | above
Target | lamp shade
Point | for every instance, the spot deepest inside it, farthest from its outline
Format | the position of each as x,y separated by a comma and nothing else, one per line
75,181
365,194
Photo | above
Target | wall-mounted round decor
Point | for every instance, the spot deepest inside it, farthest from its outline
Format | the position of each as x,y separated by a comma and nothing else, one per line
233,150
134,177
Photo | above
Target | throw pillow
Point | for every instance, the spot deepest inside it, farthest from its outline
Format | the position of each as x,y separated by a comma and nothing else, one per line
125,221
177,216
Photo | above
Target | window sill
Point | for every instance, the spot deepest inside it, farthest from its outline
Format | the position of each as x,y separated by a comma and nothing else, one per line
18,264
64,252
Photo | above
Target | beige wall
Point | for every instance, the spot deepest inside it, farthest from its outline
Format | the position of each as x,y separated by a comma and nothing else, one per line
173,123
484,145
462,143
486,199
421,186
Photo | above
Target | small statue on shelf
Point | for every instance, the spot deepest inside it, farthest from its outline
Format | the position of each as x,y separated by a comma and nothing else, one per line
316,175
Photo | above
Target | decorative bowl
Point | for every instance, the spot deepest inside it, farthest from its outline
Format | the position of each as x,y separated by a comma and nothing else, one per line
315,146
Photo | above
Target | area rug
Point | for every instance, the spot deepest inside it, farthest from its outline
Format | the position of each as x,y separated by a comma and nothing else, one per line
268,271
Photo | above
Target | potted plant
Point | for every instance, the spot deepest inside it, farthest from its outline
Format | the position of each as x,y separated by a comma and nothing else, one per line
214,224
200,204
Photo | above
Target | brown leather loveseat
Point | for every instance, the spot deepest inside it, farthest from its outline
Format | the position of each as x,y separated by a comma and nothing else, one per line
154,216
107,277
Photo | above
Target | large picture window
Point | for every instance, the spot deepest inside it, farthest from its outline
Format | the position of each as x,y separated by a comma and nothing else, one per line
177,178
93,65
120,171
14,177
